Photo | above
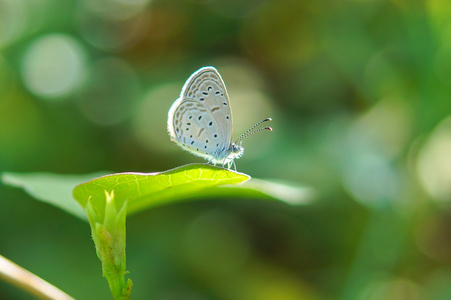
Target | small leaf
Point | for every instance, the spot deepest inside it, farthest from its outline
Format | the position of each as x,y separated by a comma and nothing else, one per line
148,189
143,190
54,189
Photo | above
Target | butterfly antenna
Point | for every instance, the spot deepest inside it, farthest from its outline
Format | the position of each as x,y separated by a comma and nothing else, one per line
248,132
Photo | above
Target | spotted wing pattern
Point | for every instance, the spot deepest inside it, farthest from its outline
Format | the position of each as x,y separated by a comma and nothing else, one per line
196,130
207,86
200,120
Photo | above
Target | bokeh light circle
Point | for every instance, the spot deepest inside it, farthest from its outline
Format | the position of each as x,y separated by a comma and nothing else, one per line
434,162
150,118
12,21
250,103
54,66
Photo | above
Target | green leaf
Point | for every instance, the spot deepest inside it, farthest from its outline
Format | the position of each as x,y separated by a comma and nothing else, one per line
54,189
143,190
148,189
289,193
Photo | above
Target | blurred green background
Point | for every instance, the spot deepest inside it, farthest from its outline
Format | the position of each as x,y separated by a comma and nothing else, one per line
359,91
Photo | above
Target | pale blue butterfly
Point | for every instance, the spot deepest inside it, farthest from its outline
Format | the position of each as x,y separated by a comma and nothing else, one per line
200,120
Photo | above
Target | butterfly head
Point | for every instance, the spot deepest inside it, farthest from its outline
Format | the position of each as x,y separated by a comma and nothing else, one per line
236,150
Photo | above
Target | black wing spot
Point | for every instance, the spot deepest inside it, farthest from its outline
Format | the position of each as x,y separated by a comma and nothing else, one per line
228,117
209,88
225,103
222,94
197,149
215,135
201,99
200,117
190,117
206,141
217,145
191,136
192,142
217,93
205,93
205,148
177,130
210,124
187,128
188,124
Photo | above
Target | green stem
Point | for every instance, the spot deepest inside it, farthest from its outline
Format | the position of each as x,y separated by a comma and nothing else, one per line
108,233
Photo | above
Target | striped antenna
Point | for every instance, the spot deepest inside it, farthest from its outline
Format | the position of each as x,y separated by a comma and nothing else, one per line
248,133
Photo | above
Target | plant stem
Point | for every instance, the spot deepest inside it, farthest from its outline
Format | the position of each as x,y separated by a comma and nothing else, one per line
108,232
29,282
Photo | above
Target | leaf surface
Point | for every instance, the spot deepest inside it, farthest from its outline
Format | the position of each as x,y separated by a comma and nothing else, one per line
143,190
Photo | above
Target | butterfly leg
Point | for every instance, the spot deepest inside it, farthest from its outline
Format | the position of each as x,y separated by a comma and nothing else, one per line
210,162
234,164
223,163
230,163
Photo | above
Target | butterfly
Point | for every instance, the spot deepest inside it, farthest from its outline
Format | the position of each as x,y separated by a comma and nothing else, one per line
200,120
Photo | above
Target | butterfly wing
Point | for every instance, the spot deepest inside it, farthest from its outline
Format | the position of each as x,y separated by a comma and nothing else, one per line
207,87
200,120
192,126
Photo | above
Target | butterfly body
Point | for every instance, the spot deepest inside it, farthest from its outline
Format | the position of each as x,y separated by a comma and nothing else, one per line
200,120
